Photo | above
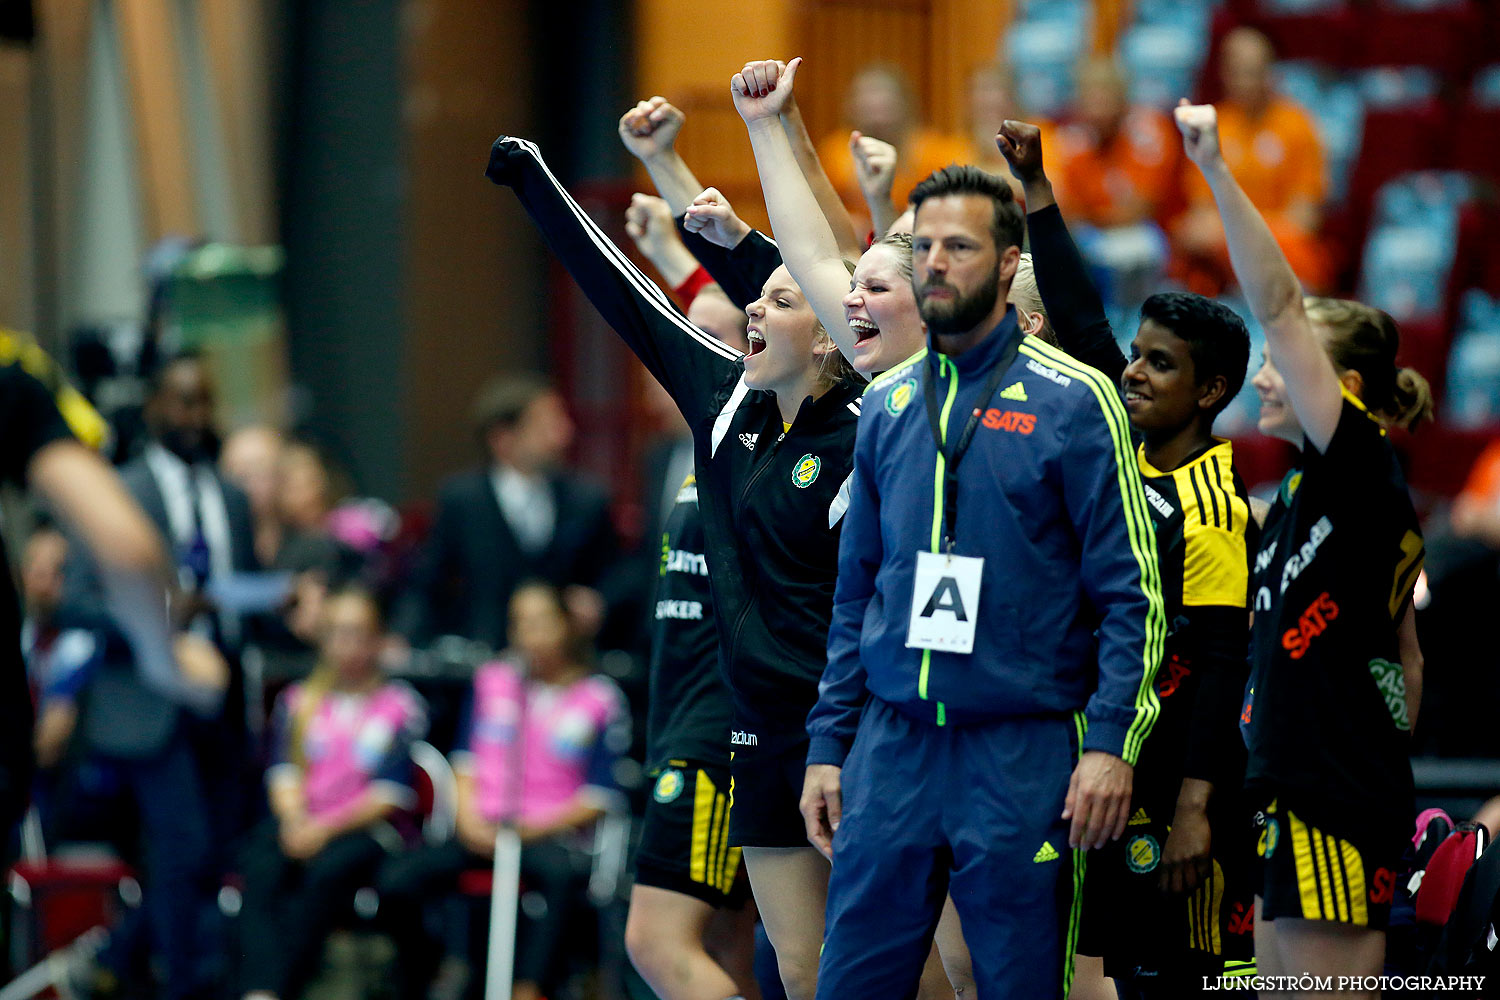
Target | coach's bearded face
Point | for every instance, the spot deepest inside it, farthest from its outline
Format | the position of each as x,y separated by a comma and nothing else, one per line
948,309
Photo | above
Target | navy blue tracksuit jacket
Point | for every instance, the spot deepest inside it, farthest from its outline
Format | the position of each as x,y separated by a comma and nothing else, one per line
1050,496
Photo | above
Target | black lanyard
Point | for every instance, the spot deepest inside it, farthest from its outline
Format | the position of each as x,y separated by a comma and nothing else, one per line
953,455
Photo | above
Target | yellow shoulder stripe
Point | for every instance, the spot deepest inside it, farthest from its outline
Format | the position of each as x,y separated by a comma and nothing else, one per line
896,371
82,419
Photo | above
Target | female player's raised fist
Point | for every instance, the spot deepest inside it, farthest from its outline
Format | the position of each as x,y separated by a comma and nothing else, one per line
650,128
1199,125
763,88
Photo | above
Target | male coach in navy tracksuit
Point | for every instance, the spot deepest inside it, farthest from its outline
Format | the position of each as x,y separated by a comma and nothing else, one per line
997,614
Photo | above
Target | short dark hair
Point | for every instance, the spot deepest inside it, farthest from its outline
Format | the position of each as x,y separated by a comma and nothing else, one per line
1008,226
158,377
1217,339
504,400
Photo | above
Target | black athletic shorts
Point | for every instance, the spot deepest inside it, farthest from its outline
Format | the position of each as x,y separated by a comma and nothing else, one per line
1144,934
767,792
685,837
1310,874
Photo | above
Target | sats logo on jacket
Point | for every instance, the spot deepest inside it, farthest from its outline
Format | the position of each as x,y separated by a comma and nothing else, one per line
1314,622
1010,420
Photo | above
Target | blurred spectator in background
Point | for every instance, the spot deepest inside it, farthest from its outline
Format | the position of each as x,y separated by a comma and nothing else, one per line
1476,510
249,461
59,662
538,751
1118,165
881,105
210,533
521,515
307,492
1463,581
47,425
1119,176
992,99
206,520
340,775
1272,147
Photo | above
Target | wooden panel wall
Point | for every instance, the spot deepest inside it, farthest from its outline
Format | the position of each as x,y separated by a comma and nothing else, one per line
937,43
16,243
148,35
236,37
474,267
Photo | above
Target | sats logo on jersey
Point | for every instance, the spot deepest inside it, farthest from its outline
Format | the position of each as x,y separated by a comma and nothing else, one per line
1177,670
1320,614
806,471
900,396
1382,886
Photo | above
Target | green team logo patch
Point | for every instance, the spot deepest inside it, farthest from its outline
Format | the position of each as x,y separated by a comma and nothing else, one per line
669,785
900,395
1290,484
1270,834
1392,685
806,471
1142,853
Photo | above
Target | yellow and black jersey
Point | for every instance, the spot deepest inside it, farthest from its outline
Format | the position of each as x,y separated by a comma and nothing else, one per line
1201,512
1202,515
1326,717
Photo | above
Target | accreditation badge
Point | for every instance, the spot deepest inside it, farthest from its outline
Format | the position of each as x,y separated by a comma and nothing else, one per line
945,602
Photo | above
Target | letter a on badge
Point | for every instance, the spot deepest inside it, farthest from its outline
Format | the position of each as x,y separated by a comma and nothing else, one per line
944,602
946,598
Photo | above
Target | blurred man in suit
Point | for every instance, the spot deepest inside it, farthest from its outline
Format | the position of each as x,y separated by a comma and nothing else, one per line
518,516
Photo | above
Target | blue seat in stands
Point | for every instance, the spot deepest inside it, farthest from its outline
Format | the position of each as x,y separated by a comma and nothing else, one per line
1043,54
1473,393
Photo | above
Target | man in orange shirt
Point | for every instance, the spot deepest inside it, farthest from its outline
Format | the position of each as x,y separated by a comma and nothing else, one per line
1120,177
881,105
1272,147
1119,165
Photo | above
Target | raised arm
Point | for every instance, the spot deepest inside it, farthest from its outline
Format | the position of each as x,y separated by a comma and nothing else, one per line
829,201
649,224
1270,287
739,258
875,171
1068,293
691,364
808,244
649,131
129,558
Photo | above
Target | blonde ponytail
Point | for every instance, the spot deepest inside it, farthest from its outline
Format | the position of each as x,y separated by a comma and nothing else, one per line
1364,339
1412,400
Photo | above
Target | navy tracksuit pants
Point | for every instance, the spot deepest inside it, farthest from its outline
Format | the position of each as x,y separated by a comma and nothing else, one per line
971,810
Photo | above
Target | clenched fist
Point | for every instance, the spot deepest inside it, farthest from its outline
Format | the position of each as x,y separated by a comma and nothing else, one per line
763,88
650,128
